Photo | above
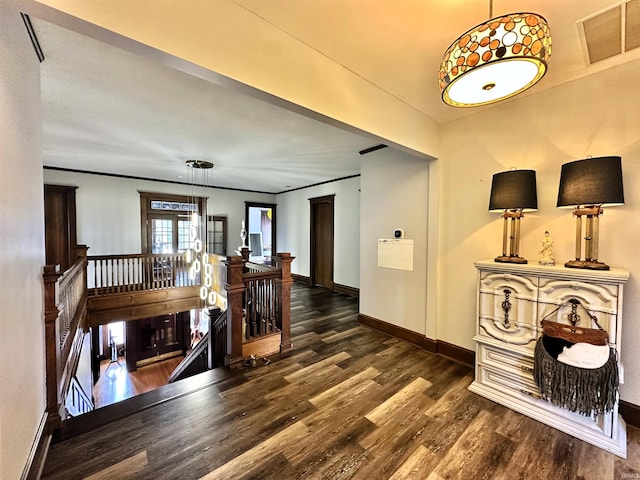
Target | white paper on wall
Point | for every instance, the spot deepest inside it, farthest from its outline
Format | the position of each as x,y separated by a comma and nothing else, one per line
395,253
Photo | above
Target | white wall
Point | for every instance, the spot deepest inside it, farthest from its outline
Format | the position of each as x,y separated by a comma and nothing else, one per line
248,48
294,228
22,352
596,115
395,194
108,209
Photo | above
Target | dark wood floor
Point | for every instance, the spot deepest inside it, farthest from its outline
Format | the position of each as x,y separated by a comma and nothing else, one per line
348,403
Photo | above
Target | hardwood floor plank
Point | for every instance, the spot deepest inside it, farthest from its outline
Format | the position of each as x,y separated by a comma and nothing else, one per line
341,454
386,411
540,452
388,448
417,466
479,449
247,461
346,389
316,367
593,462
128,468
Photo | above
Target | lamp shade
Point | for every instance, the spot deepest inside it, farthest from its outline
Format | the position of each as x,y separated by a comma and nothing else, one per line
593,181
514,189
495,60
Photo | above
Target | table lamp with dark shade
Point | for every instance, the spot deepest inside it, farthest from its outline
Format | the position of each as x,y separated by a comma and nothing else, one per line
512,193
588,185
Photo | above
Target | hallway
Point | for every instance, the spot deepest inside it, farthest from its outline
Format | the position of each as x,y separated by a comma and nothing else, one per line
348,402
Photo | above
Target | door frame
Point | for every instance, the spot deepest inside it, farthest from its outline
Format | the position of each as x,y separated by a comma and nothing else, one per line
146,210
272,206
330,199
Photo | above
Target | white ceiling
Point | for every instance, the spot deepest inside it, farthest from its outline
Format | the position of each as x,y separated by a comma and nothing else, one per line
111,111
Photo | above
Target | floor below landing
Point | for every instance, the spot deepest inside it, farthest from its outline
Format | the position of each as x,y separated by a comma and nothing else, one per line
116,383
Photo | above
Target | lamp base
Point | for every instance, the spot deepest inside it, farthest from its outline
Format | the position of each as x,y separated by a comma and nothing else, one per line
587,264
510,259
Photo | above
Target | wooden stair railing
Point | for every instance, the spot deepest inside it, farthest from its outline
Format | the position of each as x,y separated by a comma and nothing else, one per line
77,402
196,361
208,353
259,304
218,349
65,312
113,274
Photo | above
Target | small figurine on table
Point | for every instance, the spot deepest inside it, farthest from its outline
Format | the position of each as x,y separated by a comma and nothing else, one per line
546,253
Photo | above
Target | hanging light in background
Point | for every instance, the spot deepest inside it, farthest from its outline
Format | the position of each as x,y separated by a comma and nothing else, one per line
495,60
197,257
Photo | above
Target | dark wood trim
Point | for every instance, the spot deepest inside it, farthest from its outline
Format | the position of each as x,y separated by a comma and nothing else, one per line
630,412
60,225
301,279
372,149
330,199
38,454
146,179
223,219
346,290
438,347
146,212
320,183
393,330
431,345
456,353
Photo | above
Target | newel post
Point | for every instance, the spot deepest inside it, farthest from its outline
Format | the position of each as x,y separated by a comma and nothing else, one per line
235,290
50,277
283,261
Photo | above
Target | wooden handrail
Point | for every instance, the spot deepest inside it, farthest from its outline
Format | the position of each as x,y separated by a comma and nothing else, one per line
77,401
218,339
65,310
194,362
260,267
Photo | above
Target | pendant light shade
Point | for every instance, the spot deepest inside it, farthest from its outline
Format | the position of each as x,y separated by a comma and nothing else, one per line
495,60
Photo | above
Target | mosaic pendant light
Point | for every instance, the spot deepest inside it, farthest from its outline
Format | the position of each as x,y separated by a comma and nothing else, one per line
495,60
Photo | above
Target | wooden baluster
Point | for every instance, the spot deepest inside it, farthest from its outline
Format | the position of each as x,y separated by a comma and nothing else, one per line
147,272
103,277
271,307
95,276
254,307
127,274
135,273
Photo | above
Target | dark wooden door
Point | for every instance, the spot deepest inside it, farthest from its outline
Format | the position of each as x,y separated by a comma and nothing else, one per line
322,241
60,225
148,338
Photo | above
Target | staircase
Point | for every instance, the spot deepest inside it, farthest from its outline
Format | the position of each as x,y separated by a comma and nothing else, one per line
208,352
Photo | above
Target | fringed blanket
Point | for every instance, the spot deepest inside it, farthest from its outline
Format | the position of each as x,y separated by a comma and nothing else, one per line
582,390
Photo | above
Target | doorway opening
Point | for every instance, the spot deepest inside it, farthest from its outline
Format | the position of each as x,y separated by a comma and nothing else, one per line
261,231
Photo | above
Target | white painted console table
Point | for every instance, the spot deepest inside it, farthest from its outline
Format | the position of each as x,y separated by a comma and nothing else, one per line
506,339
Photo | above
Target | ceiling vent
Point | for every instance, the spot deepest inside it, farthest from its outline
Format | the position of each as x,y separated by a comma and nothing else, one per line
611,32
